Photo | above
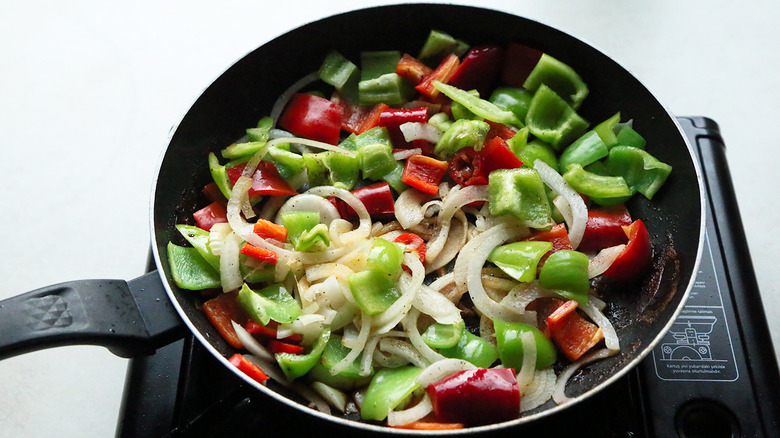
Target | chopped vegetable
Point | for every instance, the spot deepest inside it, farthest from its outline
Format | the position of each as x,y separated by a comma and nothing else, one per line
474,397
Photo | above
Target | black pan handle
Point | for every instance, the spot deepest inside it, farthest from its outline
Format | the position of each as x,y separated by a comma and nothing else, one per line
130,318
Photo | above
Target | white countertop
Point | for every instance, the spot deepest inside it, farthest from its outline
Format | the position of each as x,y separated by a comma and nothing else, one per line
89,91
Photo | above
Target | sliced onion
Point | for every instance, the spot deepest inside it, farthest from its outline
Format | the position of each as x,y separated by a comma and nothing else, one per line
526,374
559,394
409,287
611,340
421,131
579,212
315,400
403,349
603,260
217,236
539,391
406,153
410,327
309,203
360,343
408,207
333,396
229,271
454,201
410,415
284,98
442,368
436,305
269,368
455,241
364,229
251,344
468,269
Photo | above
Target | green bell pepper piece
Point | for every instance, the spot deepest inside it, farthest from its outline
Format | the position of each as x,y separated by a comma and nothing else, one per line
393,178
439,44
242,150
304,230
601,187
199,239
331,168
473,349
377,134
566,272
521,193
315,239
513,99
265,274
585,150
288,163
536,150
219,175
462,133
642,172
376,160
440,121
373,291
558,76
189,270
261,132
520,259
510,345
346,380
297,365
459,111
553,120
443,335
482,108
606,130
389,88
270,303
387,257
627,136
389,388
340,72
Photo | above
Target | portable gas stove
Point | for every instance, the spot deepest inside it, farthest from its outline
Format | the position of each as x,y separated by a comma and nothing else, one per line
713,375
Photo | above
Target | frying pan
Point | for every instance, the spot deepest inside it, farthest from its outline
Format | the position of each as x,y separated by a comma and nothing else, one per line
135,317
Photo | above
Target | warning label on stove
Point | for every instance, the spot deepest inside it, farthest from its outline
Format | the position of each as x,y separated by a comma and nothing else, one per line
698,345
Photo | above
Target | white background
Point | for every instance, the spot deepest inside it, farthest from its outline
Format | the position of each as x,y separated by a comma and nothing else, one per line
89,91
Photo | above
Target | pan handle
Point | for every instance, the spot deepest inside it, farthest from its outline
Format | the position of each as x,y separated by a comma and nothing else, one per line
130,318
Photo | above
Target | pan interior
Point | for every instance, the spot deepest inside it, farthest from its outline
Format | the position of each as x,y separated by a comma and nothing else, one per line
248,89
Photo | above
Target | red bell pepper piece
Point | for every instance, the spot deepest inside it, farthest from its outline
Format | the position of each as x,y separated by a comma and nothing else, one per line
520,60
399,116
209,215
412,69
496,155
479,69
265,181
220,311
378,199
414,243
283,347
358,118
269,230
269,331
635,256
212,192
475,397
465,169
499,130
248,368
313,117
572,333
424,173
605,228
259,253
443,73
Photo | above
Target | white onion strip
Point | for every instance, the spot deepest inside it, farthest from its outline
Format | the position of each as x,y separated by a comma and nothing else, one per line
410,415
403,349
539,391
410,326
393,315
559,394
364,229
408,207
360,343
526,374
579,212
251,344
421,131
229,271
611,340
474,255
406,153
456,199
436,305
455,241
440,369
603,260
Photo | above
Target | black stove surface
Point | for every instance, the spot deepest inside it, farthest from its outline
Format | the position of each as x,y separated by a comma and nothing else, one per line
713,375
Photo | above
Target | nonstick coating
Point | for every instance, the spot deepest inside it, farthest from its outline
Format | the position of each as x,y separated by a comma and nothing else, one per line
247,90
